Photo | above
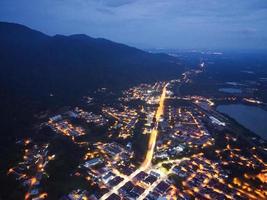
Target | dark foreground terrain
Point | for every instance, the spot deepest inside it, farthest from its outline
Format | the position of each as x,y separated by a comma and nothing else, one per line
41,72
88,118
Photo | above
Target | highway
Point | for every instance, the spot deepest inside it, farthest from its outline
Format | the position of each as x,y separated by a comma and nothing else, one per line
151,147
153,135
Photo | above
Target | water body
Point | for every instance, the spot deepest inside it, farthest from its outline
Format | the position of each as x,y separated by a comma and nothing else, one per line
231,90
231,83
251,117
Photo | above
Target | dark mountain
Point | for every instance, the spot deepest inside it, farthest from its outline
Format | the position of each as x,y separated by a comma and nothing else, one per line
34,65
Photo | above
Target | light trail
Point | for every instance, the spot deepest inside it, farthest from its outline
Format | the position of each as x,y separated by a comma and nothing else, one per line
151,146
154,132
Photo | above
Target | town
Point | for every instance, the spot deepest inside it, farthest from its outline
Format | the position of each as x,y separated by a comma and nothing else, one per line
192,150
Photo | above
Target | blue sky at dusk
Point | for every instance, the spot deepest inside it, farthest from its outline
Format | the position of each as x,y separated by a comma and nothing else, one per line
184,24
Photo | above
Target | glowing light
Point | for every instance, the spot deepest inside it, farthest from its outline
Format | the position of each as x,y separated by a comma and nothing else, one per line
33,181
154,132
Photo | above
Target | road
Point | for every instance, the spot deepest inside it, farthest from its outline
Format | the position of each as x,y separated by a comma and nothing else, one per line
151,147
154,132
117,187
163,177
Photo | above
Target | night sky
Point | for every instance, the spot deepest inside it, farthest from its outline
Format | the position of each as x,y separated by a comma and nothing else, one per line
183,24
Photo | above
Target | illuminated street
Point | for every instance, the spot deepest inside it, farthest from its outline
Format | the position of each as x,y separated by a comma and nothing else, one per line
154,132
181,160
150,151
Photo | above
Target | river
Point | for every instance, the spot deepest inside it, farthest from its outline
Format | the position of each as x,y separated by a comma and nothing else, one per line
251,117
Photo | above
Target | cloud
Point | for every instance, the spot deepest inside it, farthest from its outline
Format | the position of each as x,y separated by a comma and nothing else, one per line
117,3
105,11
154,23
248,31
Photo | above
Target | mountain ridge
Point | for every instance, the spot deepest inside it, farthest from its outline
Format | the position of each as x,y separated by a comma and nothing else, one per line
43,73
26,53
35,65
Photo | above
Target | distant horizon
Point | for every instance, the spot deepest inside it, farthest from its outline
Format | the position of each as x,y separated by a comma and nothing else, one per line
149,48
133,99
204,24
